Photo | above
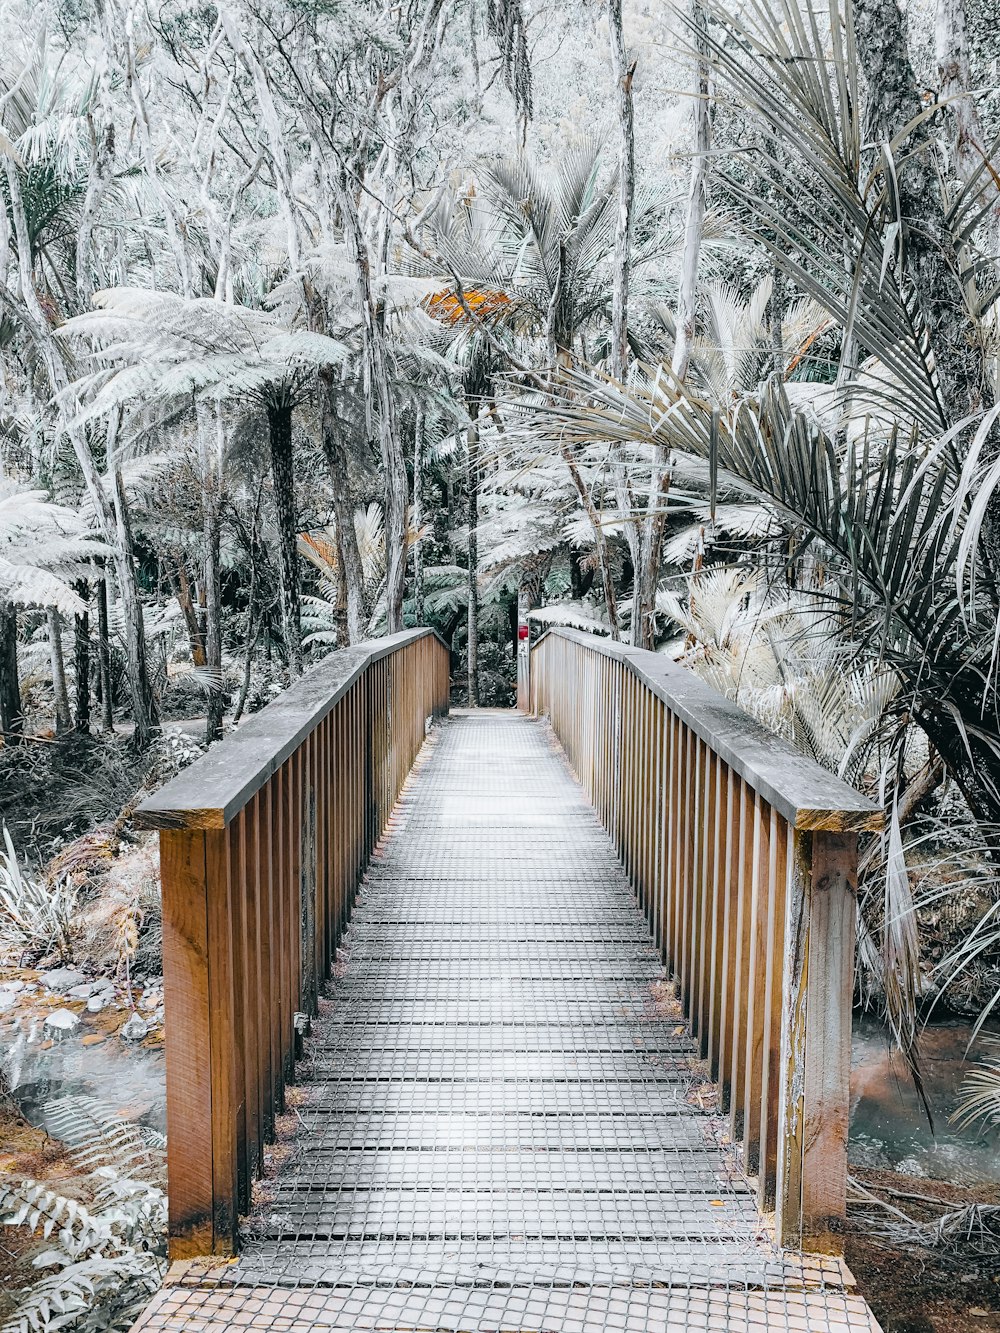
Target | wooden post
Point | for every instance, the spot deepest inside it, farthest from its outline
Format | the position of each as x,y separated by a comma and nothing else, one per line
816,1040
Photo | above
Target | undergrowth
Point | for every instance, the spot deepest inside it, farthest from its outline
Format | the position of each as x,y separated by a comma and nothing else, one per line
98,1247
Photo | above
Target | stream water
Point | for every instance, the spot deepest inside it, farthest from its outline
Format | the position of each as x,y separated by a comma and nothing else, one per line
889,1126
127,1076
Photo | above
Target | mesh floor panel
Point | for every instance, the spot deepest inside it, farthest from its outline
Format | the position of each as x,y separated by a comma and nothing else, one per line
499,1124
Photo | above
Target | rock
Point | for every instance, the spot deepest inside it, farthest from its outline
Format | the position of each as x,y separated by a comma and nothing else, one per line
62,979
135,1029
62,1021
96,1003
8,999
83,992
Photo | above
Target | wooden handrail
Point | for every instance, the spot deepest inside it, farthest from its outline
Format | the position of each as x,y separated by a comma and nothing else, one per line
262,844
743,854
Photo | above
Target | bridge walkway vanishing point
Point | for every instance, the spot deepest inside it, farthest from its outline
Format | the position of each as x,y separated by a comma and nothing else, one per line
502,1122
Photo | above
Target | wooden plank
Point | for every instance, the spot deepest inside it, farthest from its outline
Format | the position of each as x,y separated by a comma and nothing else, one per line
226,1034
717,920
770,1112
258,876
191,1202
726,986
706,904
246,965
827,1068
755,987
741,950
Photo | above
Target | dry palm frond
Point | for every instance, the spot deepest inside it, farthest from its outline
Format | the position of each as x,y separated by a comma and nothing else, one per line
35,915
980,1099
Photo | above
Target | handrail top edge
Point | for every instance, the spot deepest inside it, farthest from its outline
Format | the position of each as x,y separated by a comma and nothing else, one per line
211,792
807,795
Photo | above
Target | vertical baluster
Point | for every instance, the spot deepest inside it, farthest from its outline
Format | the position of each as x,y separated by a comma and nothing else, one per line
320,761
625,846
778,878
720,836
731,943
261,990
202,1095
694,889
671,903
705,882
279,879
756,981
243,916
659,817
742,961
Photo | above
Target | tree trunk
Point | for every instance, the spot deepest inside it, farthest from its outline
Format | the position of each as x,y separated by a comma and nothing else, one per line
600,541
969,152
144,710
11,715
378,386
626,189
931,262
651,552
81,660
971,762
253,629
472,488
279,422
104,657
182,591
623,72
212,525
697,201
340,624
61,694
343,511
418,519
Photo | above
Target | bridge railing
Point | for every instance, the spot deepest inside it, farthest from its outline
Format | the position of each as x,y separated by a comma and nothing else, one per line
743,854
262,843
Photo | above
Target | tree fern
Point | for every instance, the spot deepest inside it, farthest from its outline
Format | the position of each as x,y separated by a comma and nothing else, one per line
105,1242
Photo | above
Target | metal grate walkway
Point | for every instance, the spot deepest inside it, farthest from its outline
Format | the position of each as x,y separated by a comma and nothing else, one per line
503,1126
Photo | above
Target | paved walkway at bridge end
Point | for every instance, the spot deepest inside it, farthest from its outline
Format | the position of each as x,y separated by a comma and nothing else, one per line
502,1124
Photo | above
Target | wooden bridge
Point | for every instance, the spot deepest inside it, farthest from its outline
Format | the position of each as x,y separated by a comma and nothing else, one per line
565,929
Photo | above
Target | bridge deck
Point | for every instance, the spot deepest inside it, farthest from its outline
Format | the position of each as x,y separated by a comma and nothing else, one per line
503,1126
